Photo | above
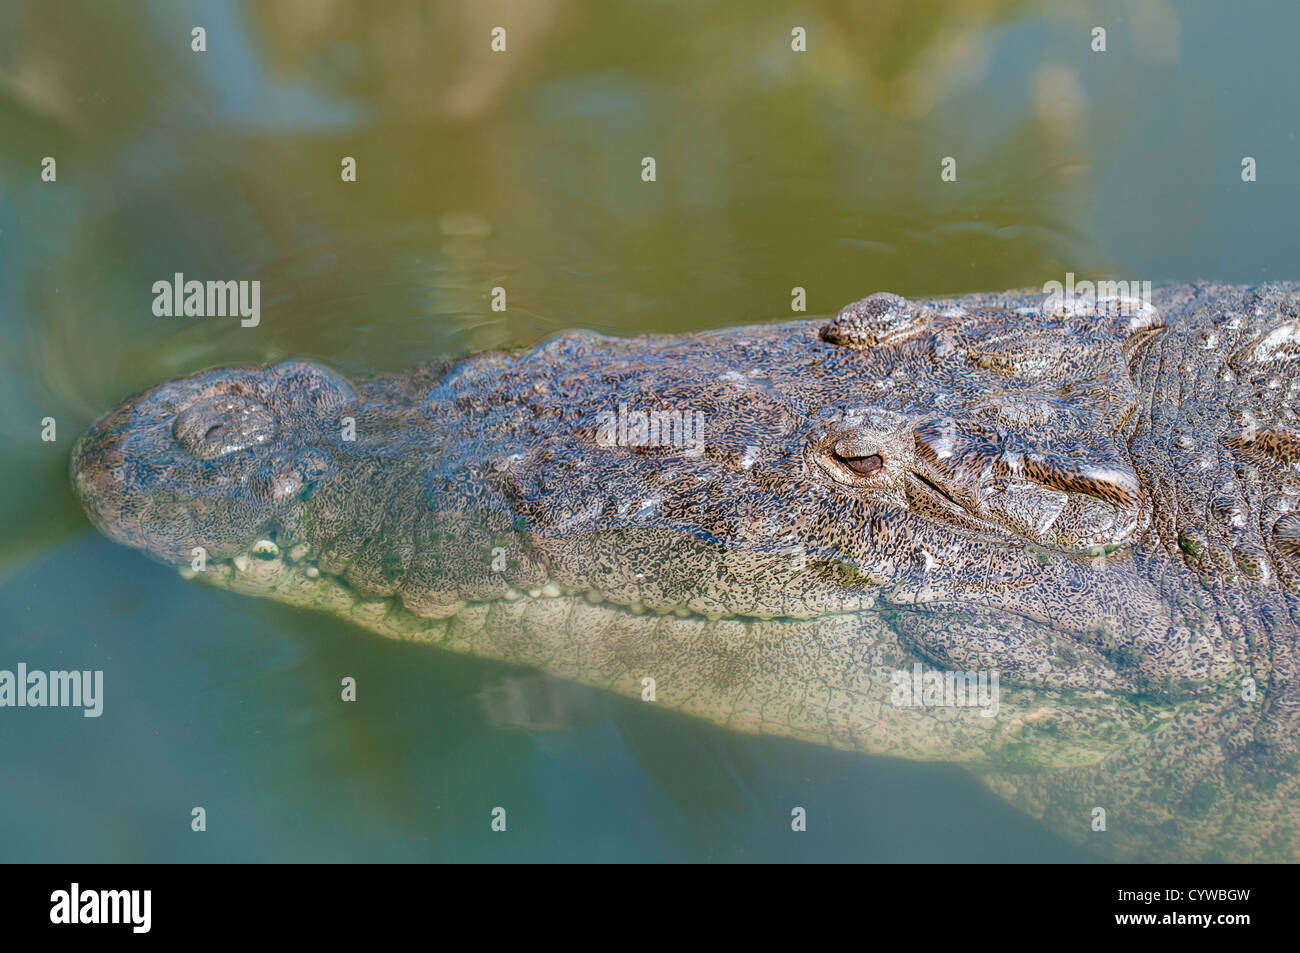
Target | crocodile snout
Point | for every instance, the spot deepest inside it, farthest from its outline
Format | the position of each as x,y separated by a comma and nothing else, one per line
210,460
99,472
214,426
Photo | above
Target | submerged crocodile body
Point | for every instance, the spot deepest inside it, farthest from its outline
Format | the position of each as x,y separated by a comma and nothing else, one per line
786,526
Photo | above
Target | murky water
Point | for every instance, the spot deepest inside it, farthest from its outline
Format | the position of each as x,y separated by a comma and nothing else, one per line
523,170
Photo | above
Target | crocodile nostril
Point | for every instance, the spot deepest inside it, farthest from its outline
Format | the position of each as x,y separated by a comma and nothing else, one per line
213,426
867,466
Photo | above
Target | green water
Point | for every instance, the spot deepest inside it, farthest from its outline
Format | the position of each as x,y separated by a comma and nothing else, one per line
522,170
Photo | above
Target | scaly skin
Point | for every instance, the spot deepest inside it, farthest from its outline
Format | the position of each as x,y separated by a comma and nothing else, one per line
1096,501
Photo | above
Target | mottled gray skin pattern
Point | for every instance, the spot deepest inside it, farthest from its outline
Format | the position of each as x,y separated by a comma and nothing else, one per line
1099,501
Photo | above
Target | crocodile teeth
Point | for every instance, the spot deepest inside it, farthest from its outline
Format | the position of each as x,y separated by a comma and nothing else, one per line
265,546
241,562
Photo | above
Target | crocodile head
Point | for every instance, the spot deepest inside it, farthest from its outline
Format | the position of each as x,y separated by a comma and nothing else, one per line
772,522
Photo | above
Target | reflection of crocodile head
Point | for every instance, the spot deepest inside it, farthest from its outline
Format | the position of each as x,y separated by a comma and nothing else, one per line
772,522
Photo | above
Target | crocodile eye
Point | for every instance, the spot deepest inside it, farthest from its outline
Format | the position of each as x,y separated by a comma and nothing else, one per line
880,319
859,456
867,466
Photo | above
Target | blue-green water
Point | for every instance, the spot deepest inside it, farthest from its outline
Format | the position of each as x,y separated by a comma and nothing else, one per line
522,169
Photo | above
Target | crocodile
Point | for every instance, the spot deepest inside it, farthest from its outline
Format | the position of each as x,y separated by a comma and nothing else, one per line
818,529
